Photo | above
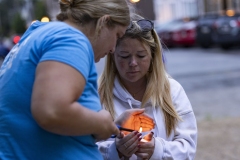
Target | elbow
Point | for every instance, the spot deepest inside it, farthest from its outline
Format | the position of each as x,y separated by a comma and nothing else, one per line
46,119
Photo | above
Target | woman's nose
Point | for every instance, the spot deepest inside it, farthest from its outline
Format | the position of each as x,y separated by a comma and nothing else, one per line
112,50
133,61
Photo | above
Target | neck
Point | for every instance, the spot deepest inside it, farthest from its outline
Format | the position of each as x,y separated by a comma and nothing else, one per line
136,89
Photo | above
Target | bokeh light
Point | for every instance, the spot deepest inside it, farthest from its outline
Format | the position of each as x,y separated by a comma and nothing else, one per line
16,39
45,19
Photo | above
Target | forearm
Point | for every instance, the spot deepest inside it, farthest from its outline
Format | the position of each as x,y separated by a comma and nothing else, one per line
72,119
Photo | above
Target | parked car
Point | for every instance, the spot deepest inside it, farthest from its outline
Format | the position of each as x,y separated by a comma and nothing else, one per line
185,34
204,30
165,32
227,31
180,32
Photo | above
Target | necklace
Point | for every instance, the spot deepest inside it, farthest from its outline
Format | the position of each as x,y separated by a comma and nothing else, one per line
136,93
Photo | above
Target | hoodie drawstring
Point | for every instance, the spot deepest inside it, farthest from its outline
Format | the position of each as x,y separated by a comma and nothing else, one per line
130,102
155,119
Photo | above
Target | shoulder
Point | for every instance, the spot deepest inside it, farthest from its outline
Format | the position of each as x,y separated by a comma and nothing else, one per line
63,43
57,30
63,29
179,97
61,34
174,85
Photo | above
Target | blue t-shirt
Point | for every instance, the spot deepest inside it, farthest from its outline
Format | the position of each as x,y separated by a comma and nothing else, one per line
20,136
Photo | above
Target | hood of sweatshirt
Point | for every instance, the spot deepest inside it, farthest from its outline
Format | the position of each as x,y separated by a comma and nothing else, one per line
121,93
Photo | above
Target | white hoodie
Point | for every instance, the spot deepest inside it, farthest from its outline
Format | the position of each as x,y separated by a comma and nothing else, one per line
180,145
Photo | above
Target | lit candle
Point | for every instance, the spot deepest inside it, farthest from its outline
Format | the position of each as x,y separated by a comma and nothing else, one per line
140,131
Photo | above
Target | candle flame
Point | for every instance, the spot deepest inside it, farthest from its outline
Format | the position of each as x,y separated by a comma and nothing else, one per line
144,140
140,131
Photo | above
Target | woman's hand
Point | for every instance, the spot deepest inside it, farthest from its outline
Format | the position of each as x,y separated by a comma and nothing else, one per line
146,149
134,119
127,145
108,128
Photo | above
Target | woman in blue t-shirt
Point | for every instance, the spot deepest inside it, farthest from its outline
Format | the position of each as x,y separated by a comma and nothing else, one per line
49,104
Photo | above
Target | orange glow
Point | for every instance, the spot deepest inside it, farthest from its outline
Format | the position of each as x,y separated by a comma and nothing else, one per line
230,13
140,130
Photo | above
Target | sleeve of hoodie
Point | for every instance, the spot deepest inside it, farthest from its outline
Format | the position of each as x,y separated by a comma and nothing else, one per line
184,142
108,149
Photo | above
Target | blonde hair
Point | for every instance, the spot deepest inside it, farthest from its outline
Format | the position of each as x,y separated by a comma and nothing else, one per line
85,11
160,96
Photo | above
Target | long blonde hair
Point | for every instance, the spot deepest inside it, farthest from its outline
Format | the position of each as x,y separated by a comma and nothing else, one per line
159,96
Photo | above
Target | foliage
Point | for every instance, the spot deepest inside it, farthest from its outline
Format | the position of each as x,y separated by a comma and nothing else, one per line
8,9
18,24
40,9
11,20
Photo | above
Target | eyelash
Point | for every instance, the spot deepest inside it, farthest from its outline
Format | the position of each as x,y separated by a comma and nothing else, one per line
125,57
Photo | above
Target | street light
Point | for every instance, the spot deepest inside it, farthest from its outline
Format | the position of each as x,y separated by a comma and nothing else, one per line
134,1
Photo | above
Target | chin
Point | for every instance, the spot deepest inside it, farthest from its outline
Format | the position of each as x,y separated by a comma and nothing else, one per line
132,80
97,59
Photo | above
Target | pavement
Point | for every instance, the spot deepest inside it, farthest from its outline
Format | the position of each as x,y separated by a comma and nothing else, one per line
211,79
218,139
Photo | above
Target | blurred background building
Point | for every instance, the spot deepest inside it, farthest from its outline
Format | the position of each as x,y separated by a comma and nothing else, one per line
172,9
166,10
17,15
218,6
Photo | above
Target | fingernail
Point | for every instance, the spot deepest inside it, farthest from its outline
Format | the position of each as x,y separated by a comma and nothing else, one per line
135,132
152,133
139,139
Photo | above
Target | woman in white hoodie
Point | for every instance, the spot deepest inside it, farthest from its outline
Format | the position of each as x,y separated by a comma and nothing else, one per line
135,77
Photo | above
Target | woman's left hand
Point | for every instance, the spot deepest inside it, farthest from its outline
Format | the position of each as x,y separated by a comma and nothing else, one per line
134,119
146,149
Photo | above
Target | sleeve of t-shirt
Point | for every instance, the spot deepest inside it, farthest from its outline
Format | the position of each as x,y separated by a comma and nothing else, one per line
69,47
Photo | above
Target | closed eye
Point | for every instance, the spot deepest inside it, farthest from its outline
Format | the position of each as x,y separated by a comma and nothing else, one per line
124,57
141,56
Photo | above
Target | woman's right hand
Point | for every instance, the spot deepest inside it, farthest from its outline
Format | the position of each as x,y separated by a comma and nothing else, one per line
107,126
127,145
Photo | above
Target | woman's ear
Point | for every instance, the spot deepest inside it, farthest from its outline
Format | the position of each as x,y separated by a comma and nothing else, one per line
106,18
102,21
